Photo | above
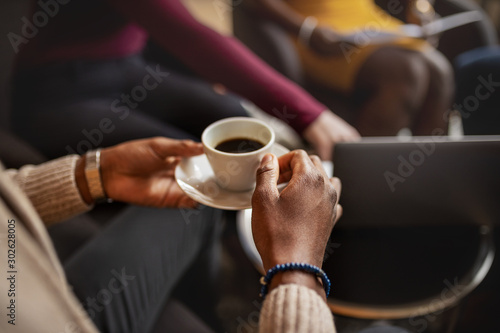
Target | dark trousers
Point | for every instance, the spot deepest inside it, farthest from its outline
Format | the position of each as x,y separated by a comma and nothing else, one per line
125,275
478,90
80,105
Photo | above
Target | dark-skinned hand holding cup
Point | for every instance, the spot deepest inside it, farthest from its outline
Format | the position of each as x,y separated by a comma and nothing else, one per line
294,225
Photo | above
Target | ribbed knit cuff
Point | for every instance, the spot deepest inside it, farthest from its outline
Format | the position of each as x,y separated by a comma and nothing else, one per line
52,189
292,308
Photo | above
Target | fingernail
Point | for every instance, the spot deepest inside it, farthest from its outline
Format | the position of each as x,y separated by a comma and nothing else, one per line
267,159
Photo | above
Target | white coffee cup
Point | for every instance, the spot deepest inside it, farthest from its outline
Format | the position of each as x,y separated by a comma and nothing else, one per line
236,171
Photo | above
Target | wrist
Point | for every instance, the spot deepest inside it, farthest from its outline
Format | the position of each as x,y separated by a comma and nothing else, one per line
93,175
282,254
307,29
289,257
88,178
106,172
420,12
81,181
295,276
303,274
300,278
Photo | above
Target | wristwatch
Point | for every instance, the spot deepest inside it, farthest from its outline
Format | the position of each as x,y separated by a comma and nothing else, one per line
93,175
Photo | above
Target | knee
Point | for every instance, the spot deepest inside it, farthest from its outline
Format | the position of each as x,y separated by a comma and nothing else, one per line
403,72
407,71
441,75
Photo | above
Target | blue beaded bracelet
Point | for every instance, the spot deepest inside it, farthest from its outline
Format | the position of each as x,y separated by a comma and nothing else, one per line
294,266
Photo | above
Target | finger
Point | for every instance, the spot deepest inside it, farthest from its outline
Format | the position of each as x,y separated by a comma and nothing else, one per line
295,162
171,162
165,147
285,177
267,179
317,163
177,198
352,136
337,185
339,210
324,149
284,167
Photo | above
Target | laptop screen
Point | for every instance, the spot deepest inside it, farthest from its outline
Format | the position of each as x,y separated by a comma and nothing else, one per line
427,180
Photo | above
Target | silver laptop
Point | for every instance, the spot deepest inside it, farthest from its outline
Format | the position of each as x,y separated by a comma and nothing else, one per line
416,216
427,180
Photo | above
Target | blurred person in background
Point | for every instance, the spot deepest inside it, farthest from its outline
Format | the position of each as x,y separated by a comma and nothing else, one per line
83,81
395,83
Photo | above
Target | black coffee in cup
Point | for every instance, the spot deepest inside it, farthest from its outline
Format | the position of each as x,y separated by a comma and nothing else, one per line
239,145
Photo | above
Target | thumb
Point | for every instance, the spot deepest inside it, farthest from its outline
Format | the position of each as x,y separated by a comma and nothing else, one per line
267,177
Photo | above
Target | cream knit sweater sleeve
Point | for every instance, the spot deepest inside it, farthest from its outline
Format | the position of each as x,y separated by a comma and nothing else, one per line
51,188
293,308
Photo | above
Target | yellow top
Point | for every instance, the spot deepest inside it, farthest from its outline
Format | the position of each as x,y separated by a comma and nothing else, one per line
347,17
344,15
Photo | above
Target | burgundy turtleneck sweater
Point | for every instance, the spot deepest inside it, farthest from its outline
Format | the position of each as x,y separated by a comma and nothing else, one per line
105,29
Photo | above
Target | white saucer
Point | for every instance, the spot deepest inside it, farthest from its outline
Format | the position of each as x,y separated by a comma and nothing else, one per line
244,229
195,177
